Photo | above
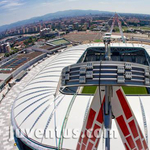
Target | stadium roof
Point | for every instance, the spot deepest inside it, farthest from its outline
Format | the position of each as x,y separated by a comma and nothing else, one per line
37,108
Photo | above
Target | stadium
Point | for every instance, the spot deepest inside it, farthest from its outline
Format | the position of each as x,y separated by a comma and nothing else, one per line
56,100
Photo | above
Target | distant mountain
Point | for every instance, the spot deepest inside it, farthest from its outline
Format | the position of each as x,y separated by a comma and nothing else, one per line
57,15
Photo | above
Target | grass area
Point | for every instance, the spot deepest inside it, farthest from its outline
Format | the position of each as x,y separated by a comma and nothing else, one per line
135,90
29,41
89,90
97,41
145,28
59,42
142,27
127,90
12,52
134,27
125,28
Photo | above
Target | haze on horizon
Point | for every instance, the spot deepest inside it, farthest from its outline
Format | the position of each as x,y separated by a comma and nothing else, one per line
16,10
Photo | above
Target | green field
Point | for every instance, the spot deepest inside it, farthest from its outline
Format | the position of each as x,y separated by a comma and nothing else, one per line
134,27
127,90
59,42
125,28
89,90
97,41
134,90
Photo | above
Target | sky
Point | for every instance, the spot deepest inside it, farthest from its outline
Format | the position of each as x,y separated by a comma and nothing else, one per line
17,10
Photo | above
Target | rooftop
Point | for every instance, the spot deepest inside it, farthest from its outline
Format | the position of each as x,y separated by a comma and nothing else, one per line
36,102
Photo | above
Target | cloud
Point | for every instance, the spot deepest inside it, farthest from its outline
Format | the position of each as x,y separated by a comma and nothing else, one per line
50,2
102,2
10,4
109,2
72,0
3,2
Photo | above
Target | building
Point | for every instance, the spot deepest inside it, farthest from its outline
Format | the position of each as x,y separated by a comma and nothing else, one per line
5,47
44,31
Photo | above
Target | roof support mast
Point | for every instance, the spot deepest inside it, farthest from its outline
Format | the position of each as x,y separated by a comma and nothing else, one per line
108,90
116,18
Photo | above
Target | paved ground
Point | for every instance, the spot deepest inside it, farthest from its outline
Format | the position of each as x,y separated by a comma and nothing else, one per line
86,37
6,138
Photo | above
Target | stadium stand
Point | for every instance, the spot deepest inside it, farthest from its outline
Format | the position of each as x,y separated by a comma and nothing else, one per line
20,61
8,63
